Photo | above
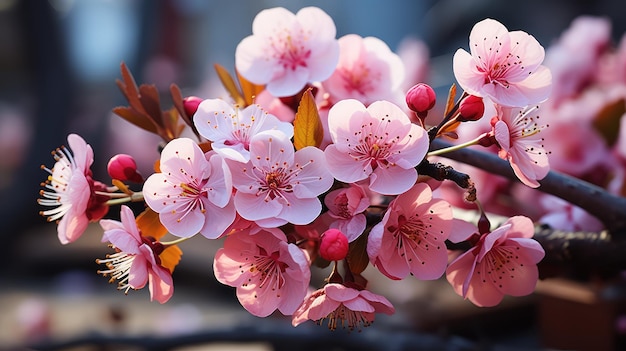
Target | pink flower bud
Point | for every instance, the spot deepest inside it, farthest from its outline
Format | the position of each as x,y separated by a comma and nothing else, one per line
123,167
334,245
472,108
190,104
421,98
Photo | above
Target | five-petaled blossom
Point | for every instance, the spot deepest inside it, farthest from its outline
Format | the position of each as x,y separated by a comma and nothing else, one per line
72,191
342,306
268,272
504,66
287,51
345,208
503,262
411,236
378,143
192,193
367,71
517,134
279,185
136,261
230,129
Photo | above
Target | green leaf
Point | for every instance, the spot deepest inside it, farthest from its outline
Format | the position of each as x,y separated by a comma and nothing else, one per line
607,120
307,126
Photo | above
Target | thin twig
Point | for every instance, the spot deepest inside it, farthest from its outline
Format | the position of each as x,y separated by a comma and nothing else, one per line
608,208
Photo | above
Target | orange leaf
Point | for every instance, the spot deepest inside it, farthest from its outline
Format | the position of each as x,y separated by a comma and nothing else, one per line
249,89
150,225
307,127
170,257
229,84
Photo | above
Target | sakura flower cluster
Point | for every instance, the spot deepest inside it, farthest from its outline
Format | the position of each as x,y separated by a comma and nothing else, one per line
319,158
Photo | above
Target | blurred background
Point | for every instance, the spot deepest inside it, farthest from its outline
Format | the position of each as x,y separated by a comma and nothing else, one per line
59,60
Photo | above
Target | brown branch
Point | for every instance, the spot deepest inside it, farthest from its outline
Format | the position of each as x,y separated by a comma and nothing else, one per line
580,254
608,208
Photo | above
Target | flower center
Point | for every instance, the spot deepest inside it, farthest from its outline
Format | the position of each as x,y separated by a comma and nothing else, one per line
118,265
290,52
347,318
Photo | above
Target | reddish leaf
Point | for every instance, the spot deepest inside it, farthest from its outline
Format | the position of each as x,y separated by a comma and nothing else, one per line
177,99
149,98
450,102
357,254
307,126
136,118
607,121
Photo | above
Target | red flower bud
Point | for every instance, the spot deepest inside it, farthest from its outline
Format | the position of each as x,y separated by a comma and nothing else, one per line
421,98
190,104
472,108
334,245
123,167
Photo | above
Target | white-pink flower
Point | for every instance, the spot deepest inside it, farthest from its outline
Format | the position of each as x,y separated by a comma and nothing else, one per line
504,66
410,239
268,272
287,51
136,262
342,306
517,133
279,185
378,143
367,71
70,190
230,129
503,262
346,207
192,194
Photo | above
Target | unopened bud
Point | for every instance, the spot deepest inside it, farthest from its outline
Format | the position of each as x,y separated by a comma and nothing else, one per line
472,108
334,245
190,104
421,98
123,167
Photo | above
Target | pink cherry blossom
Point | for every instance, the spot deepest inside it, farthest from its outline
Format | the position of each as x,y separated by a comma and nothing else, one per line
287,51
411,236
563,215
346,207
574,59
279,185
504,66
517,133
71,190
192,194
378,143
367,71
268,272
342,306
230,129
503,262
136,261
